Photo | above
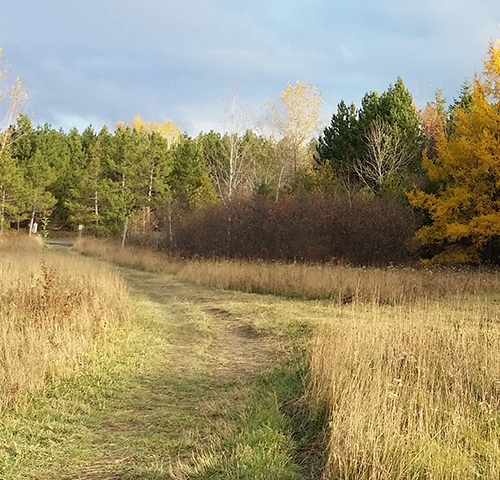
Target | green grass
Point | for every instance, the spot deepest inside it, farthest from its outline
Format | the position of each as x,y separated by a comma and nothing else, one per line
150,402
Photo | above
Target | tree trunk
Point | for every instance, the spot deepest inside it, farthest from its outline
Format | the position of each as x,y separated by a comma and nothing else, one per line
2,215
32,221
125,227
96,208
170,229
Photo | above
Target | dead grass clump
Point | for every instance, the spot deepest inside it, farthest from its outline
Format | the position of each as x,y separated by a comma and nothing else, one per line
411,392
52,306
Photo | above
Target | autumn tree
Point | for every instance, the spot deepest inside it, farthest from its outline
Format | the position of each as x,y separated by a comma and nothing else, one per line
167,129
465,212
434,119
294,119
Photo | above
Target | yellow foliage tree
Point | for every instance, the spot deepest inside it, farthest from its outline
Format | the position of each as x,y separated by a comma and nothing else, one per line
294,118
167,129
465,212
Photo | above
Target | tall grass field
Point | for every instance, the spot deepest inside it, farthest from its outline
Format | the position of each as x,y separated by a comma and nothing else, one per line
52,307
411,391
338,283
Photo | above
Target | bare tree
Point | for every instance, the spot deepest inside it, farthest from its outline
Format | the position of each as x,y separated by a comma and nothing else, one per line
387,155
229,156
17,96
11,178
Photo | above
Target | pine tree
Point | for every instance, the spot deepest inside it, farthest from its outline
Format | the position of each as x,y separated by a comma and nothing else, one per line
39,176
12,191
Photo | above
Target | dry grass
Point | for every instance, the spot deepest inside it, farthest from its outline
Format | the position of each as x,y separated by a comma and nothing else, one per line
407,366
52,307
345,284
411,392
135,257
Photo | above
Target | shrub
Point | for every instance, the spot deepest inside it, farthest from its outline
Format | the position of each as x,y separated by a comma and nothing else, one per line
312,229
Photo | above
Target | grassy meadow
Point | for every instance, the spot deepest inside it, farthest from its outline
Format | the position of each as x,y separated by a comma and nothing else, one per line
338,283
406,362
382,373
411,391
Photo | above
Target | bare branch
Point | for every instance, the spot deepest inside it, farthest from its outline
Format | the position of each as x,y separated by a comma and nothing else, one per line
17,96
387,155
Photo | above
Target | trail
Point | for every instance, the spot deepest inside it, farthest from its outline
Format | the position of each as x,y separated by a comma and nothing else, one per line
198,347
238,350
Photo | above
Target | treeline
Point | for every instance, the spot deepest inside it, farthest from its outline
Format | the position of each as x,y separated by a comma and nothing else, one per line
358,192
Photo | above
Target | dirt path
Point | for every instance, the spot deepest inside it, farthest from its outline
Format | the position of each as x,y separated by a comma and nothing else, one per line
198,350
238,349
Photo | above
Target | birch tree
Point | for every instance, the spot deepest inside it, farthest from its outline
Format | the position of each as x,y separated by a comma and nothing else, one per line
386,157
228,156
294,119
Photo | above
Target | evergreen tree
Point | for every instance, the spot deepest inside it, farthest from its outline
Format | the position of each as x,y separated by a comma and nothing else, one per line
53,148
341,143
39,176
367,144
12,191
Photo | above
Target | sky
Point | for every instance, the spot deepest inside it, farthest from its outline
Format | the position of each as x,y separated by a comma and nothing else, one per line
96,62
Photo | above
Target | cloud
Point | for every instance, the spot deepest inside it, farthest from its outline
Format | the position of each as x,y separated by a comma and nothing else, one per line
110,60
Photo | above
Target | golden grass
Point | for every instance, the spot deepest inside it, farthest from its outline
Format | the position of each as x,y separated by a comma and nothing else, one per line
52,307
340,283
411,392
344,284
407,366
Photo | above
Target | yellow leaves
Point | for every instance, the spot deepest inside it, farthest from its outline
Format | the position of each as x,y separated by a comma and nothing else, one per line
486,226
466,213
457,231
295,117
419,199
492,70
301,106
166,129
